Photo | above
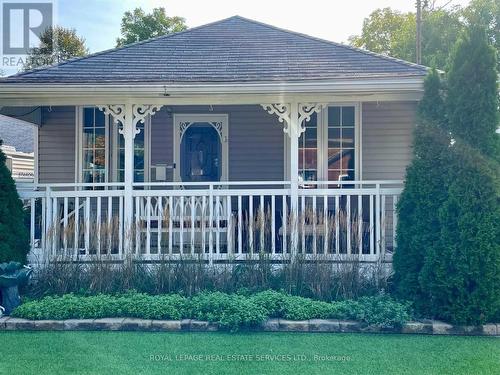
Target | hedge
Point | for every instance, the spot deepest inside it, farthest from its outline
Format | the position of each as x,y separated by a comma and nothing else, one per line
230,311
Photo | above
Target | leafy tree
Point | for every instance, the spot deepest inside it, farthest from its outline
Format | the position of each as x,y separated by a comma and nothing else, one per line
393,33
486,14
137,25
57,44
473,92
388,32
422,196
440,31
14,236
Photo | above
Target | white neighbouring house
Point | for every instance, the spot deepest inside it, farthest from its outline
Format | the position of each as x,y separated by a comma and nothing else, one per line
225,141
18,146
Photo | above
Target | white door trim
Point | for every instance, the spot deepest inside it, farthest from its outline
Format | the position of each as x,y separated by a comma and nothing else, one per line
212,118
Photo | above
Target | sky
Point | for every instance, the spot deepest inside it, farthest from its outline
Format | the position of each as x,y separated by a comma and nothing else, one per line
98,21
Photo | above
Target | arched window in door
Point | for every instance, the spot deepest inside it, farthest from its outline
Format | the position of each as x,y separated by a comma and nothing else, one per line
200,153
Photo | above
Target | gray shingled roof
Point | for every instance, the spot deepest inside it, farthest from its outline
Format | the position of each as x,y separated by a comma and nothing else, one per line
231,50
17,133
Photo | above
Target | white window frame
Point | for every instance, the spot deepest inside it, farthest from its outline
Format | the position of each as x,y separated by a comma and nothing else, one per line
147,149
111,134
79,144
323,147
179,118
322,134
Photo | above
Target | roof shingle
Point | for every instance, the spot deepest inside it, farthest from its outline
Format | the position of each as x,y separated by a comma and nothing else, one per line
17,133
228,51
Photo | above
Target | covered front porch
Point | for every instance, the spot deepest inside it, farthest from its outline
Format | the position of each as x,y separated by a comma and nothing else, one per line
228,141
222,182
216,221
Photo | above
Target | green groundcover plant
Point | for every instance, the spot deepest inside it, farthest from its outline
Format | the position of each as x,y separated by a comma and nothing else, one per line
230,311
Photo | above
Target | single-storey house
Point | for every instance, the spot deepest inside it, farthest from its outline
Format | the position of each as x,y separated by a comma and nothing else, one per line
228,141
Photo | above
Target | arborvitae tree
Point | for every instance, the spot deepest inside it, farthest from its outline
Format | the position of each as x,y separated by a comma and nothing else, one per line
431,109
462,271
423,195
14,236
472,101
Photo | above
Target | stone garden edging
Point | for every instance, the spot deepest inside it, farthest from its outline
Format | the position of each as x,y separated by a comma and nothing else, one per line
271,325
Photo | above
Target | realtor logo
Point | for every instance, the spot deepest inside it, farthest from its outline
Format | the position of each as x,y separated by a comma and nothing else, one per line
23,24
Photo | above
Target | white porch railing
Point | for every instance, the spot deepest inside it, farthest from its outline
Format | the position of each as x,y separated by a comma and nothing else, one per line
216,221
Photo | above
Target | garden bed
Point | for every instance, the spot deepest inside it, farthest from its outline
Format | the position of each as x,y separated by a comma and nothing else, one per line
214,311
229,311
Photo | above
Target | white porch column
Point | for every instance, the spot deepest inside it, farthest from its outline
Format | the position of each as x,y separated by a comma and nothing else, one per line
288,114
128,132
129,115
293,115
294,134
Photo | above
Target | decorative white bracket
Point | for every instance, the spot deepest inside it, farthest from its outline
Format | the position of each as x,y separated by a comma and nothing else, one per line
306,110
139,114
141,111
283,111
217,125
115,110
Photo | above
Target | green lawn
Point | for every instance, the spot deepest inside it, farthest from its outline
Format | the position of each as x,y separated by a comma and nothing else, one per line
177,353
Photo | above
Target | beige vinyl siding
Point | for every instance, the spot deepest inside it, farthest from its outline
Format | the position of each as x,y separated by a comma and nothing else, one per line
387,139
56,145
256,141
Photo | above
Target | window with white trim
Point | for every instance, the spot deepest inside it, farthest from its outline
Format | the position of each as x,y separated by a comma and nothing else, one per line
341,146
101,149
327,147
140,154
94,146
308,150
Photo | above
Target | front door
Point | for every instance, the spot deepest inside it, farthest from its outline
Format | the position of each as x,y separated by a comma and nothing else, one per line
200,147
200,154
